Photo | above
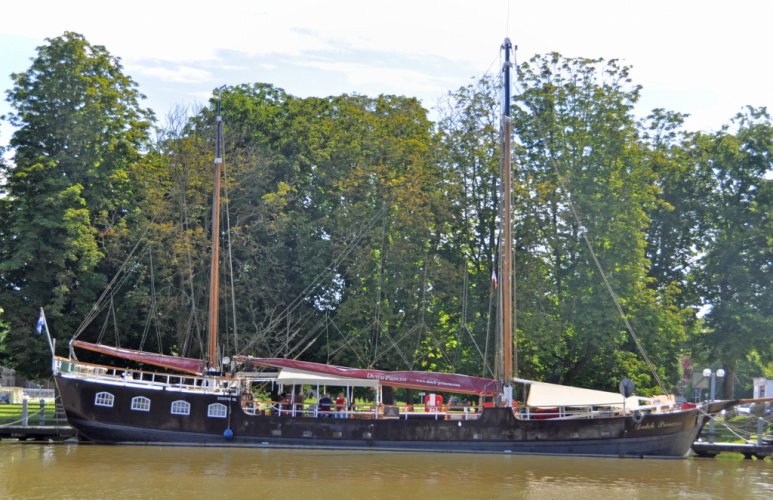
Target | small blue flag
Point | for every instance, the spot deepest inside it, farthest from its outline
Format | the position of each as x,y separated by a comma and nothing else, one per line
41,322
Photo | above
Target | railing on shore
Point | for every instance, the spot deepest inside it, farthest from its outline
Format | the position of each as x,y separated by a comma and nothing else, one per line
42,420
40,412
34,393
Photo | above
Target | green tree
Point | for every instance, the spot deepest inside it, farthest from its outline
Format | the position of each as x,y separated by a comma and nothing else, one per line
309,181
341,180
467,152
736,270
580,154
79,129
677,228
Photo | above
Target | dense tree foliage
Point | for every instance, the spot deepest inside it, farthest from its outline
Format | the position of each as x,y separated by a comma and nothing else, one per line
357,232
79,131
585,185
736,275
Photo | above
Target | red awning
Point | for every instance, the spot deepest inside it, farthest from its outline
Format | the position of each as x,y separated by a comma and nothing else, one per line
187,365
429,381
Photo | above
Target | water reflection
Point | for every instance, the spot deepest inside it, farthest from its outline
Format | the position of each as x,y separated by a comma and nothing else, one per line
80,471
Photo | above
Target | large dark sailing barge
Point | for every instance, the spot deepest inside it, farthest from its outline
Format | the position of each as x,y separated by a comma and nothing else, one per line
193,403
114,406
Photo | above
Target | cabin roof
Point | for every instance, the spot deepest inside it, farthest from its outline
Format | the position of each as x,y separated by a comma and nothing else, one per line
290,376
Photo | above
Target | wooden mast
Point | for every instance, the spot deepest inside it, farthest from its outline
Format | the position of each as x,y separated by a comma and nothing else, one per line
214,263
507,237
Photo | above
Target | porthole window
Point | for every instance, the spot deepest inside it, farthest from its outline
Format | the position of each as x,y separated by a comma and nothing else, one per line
104,399
140,403
217,410
181,407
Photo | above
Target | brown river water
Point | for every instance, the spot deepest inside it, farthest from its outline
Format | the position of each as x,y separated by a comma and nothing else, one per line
89,471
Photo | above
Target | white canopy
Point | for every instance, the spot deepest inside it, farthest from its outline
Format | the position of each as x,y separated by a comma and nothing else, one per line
290,376
543,394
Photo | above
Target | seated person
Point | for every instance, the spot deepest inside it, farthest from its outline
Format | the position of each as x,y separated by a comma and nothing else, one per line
325,405
341,406
298,398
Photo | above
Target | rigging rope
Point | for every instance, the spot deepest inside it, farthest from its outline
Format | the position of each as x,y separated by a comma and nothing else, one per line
422,323
115,323
464,311
515,253
738,432
110,286
347,340
151,313
377,322
329,270
230,252
395,345
104,327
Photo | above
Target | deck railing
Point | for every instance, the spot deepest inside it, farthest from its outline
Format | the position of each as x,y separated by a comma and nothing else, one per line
357,411
371,411
121,375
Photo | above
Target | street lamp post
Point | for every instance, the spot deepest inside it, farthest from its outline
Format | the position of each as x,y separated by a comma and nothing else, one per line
708,373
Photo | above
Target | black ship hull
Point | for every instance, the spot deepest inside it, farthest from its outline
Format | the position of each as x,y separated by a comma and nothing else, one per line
495,430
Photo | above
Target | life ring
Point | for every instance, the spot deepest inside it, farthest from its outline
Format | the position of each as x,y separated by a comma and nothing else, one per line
637,416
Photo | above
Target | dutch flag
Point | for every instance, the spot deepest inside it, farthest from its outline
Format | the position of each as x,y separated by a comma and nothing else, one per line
41,322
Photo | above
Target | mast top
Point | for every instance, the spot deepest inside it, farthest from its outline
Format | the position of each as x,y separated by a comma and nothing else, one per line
507,47
219,122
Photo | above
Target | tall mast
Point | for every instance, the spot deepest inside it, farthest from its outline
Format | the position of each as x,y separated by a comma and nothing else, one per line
507,237
214,264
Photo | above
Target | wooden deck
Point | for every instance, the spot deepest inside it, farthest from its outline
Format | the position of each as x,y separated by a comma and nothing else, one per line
37,432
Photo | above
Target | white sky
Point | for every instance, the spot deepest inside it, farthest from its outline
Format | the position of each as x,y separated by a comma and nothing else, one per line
708,58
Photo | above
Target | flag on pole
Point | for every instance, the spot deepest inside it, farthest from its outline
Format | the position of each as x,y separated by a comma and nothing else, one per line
494,281
43,325
41,322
